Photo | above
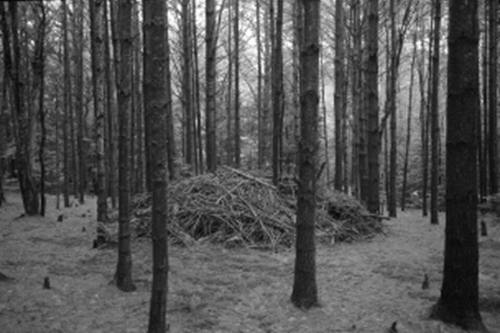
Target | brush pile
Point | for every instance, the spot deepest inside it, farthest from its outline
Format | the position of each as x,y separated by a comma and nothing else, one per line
238,209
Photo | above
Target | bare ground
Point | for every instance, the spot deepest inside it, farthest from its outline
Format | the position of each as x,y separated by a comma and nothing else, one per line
363,287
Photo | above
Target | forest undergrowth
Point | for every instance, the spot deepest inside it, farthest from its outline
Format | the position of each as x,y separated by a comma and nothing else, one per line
364,286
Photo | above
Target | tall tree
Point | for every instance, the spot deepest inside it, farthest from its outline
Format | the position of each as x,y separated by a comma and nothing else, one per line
260,122
435,114
409,122
305,293
171,147
66,106
138,172
210,87
391,106
483,115
39,70
97,54
355,72
372,106
277,91
492,109
236,35
196,91
339,88
229,94
123,275
20,115
187,95
111,102
78,46
155,103
458,303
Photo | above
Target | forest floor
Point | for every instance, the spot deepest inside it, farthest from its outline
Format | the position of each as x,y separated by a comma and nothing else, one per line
363,286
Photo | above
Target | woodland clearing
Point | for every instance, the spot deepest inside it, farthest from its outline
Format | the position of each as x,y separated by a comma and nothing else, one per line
363,286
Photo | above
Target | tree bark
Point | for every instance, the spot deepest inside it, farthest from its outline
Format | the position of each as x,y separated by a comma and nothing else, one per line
78,44
39,70
339,87
196,93
236,35
260,122
305,293
408,123
435,114
483,118
111,102
123,275
355,65
373,203
171,146
277,92
229,95
97,45
458,303
391,104
187,101
210,93
66,102
156,101
21,121
492,86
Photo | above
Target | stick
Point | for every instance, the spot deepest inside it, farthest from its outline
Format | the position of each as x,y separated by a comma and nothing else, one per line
246,175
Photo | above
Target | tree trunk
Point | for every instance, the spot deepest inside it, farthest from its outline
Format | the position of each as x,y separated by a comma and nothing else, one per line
210,94
236,35
138,172
492,86
458,303
112,114
70,87
266,107
97,45
21,121
339,87
171,147
305,293
66,94
229,96
391,104
277,92
373,204
408,122
483,112
260,122
297,35
187,100
156,100
39,70
196,88
435,114
109,141
355,66
78,44
324,123
123,275
427,119
483,119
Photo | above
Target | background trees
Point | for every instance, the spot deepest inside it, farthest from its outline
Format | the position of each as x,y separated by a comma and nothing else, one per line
60,86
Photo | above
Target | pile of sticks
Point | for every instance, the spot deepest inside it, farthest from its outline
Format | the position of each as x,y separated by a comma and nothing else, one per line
236,208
